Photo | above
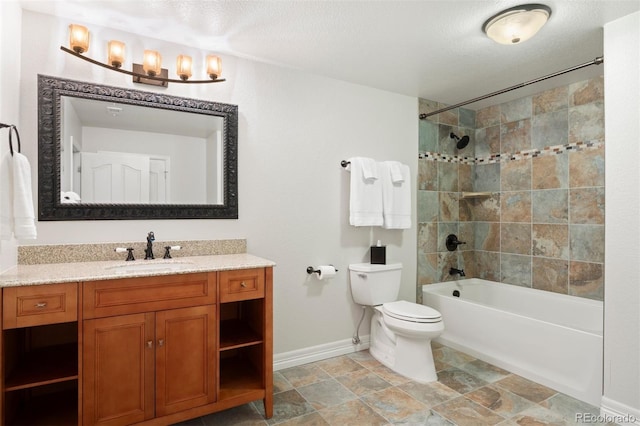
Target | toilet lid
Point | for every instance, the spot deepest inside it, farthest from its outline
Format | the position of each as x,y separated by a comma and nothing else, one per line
408,311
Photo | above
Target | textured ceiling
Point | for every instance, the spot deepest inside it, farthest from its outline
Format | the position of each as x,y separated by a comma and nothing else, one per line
433,49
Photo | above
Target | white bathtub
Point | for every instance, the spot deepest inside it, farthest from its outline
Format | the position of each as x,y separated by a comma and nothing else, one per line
550,338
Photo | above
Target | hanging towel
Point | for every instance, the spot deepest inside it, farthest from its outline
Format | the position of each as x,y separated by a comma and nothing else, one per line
396,194
369,168
23,213
365,204
6,198
397,172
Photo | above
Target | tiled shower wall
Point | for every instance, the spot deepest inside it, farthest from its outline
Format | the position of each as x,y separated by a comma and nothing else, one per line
539,161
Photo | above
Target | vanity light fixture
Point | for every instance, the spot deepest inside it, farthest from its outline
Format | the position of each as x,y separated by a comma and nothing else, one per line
78,38
517,24
116,53
150,71
214,66
152,63
183,67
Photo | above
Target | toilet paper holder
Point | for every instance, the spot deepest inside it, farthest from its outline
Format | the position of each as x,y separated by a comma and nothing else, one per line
312,270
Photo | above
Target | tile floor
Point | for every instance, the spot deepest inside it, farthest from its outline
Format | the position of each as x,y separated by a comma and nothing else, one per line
356,389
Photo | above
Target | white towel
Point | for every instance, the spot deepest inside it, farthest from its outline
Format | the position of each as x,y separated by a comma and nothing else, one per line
369,167
69,197
365,204
396,196
396,169
23,213
6,198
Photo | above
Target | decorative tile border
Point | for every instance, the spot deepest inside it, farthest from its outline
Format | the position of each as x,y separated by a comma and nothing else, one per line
446,158
520,155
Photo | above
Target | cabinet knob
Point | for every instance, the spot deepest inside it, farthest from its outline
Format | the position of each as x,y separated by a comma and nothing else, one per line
161,342
243,284
41,305
150,344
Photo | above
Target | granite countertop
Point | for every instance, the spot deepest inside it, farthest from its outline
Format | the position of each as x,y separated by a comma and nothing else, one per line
53,273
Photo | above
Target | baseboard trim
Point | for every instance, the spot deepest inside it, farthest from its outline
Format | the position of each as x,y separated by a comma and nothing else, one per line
318,353
616,412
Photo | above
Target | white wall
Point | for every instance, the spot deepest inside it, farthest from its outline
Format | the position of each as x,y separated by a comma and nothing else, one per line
294,129
10,17
622,245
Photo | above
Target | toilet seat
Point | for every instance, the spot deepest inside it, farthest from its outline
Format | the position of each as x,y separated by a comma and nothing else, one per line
412,312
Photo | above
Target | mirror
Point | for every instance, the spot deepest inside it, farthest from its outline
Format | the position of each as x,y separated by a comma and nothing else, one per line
111,153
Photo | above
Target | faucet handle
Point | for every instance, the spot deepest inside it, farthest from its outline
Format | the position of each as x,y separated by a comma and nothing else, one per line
452,242
129,251
167,253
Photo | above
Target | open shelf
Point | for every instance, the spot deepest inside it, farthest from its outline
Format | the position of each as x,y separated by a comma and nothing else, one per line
235,333
59,408
45,366
238,376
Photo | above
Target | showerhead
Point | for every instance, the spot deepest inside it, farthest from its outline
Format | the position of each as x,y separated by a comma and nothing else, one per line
462,142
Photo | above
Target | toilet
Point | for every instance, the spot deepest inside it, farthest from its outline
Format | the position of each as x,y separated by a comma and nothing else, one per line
401,331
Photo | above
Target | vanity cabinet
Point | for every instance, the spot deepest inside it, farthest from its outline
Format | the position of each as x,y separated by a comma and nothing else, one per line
40,355
151,350
140,366
246,349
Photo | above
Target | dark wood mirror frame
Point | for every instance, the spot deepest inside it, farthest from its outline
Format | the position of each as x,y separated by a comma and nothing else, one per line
50,89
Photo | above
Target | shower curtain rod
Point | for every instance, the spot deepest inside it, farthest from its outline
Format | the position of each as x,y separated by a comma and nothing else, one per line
596,61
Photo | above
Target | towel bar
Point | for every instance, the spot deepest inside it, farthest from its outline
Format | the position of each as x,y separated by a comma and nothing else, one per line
345,163
12,128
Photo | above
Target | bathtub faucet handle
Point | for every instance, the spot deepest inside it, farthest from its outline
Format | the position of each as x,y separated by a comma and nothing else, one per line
452,242
454,271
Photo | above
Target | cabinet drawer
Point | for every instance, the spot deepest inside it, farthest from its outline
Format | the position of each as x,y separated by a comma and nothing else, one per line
241,284
39,305
148,294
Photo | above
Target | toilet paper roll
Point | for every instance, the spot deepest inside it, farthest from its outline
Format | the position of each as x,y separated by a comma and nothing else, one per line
326,272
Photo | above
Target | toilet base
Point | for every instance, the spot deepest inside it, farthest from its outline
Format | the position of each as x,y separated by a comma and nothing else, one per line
410,357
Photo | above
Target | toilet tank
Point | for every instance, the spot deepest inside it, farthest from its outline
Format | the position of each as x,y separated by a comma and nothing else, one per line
373,285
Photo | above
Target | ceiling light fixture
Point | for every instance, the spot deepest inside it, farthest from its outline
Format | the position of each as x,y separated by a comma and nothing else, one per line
517,24
150,71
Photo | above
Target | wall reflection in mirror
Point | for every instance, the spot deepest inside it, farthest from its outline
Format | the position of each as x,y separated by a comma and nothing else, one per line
115,153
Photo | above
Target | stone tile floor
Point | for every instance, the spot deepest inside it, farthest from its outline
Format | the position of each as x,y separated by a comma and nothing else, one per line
356,389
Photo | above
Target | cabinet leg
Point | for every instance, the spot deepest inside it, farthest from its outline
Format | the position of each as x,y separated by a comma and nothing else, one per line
268,405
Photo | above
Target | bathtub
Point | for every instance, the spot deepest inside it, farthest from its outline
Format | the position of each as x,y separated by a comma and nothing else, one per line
552,339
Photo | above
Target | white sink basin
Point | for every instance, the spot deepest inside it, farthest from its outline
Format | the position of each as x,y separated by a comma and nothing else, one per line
149,266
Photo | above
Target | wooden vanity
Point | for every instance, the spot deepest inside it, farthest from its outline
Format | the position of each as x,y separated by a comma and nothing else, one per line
153,350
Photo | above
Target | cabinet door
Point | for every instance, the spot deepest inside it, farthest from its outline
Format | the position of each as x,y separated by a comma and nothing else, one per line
185,358
118,369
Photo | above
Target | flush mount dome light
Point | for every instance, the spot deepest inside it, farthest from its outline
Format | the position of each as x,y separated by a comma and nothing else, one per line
517,24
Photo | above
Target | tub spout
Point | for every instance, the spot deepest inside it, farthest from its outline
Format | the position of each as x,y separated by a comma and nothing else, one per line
454,271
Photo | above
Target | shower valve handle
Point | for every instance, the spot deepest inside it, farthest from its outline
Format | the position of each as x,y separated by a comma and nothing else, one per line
452,242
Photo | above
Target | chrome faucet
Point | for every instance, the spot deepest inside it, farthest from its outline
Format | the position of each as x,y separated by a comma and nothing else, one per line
454,271
148,252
